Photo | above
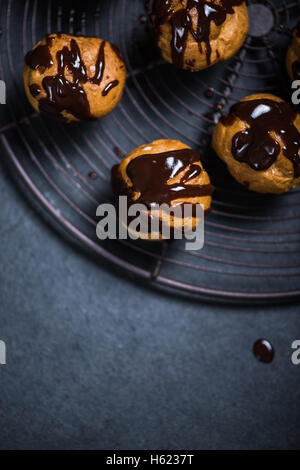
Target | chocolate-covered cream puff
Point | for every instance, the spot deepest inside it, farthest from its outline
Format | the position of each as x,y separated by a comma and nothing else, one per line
72,78
164,172
293,55
195,34
259,141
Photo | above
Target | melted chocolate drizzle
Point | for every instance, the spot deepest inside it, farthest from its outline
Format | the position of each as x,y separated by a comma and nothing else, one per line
150,174
100,66
35,90
182,25
254,145
109,87
64,94
39,57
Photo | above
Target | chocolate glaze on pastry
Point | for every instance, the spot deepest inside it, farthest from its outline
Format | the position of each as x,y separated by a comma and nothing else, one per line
150,175
109,87
39,57
191,22
63,94
255,145
163,172
67,85
34,90
259,140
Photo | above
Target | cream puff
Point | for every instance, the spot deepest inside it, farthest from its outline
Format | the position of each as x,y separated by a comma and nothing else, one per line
164,172
194,35
259,141
72,78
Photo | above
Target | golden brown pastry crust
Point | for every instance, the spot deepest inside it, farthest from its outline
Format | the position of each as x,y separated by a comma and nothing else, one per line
162,146
293,54
225,40
278,178
115,69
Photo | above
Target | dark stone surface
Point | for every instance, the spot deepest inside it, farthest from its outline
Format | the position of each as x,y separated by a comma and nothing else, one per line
96,361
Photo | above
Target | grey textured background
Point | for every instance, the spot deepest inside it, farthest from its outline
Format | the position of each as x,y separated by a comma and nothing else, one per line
95,360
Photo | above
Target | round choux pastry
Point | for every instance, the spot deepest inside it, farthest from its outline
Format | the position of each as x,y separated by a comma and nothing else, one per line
259,141
194,35
293,55
164,172
72,78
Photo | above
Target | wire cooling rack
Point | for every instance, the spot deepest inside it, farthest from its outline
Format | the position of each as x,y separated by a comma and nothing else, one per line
252,241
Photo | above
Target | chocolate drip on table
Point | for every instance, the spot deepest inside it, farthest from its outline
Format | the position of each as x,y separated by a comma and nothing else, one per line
63,94
255,145
263,350
150,174
182,25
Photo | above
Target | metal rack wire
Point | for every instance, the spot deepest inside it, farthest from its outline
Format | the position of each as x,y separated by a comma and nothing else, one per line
252,245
